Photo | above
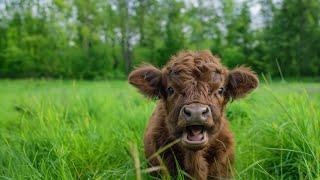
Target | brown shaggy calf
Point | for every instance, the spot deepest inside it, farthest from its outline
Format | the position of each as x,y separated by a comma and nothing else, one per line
193,89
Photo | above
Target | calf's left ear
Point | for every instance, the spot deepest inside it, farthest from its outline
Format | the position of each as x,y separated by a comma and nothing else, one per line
147,79
240,82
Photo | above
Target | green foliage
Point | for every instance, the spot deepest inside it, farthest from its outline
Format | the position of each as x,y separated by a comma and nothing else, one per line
81,130
100,39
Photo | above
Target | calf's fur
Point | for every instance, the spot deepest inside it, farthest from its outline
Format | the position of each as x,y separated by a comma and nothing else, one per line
195,77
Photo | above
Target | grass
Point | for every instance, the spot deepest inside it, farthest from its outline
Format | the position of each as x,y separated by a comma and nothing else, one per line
81,130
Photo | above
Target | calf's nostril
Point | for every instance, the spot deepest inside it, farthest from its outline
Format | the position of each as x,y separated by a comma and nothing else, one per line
206,111
187,112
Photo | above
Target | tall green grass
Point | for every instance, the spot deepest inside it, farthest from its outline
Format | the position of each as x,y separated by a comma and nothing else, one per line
278,135
81,130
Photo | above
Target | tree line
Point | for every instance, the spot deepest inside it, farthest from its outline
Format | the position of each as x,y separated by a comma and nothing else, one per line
105,39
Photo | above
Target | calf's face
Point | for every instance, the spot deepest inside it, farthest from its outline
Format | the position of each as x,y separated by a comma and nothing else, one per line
195,88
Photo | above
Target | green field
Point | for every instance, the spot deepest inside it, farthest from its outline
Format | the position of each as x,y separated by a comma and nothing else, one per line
81,130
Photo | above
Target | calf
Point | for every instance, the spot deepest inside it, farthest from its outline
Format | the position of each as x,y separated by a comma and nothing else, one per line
193,89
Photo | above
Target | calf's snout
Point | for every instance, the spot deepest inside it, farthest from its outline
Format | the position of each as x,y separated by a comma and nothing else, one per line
195,112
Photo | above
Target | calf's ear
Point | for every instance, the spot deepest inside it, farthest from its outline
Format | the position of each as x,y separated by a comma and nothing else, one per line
147,79
240,82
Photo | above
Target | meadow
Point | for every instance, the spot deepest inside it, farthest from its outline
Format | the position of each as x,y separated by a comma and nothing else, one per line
54,129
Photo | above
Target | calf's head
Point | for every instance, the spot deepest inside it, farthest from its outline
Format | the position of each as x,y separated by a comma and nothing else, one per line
194,88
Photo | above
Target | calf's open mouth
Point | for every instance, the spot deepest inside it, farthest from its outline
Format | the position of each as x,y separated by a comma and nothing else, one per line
194,136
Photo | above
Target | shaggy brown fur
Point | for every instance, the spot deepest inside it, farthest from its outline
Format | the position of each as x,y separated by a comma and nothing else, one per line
192,78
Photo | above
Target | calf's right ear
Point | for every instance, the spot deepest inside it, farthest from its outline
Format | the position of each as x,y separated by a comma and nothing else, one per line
147,79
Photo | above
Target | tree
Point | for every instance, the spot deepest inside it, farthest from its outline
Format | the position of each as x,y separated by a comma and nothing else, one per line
294,37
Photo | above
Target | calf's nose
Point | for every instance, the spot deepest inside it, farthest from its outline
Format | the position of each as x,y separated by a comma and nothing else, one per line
195,112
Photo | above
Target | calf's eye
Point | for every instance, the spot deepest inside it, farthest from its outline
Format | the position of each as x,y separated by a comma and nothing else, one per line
170,91
221,90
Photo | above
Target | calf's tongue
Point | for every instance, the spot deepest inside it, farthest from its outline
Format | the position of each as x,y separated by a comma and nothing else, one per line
195,133
193,137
